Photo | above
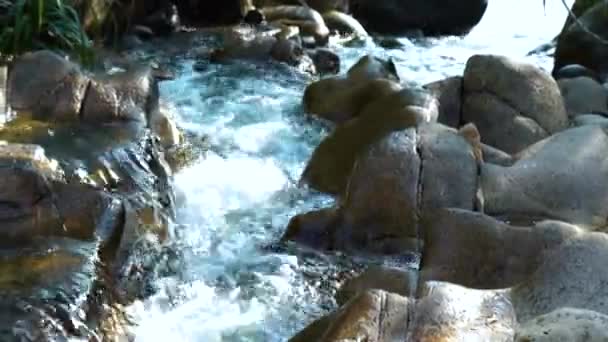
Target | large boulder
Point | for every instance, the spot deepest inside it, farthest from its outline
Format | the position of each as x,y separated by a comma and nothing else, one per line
575,45
513,104
342,98
477,251
573,275
444,312
47,86
583,95
396,280
448,312
37,203
332,161
373,315
125,96
565,324
542,183
386,185
432,17
448,92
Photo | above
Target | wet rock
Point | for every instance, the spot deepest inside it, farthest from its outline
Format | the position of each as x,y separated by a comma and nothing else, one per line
344,24
572,275
46,85
477,251
565,324
162,123
312,228
583,95
498,99
449,96
576,46
37,203
544,183
309,21
437,17
326,61
390,279
125,96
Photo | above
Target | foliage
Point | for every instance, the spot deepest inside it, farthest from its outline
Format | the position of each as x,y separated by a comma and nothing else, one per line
42,24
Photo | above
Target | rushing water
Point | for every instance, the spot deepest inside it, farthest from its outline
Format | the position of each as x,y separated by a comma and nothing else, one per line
238,198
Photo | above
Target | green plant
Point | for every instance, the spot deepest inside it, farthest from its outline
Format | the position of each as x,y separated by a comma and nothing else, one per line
42,24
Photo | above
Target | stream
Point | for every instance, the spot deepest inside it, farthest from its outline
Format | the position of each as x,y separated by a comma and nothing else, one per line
235,202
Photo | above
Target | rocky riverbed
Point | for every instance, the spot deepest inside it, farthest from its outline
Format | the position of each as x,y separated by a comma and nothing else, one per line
252,184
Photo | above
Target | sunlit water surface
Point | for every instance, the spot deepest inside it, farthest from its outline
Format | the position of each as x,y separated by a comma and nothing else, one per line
237,199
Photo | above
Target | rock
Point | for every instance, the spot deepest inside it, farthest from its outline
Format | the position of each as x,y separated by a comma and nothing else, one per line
312,228
37,203
339,100
332,161
449,95
287,51
344,23
583,95
390,279
590,119
495,156
370,67
565,324
329,5
412,101
477,251
448,169
380,205
572,275
326,61
500,125
576,46
371,316
46,85
309,21
575,71
162,123
385,184
448,312
437,17
541,183
513,104
125,96
314,331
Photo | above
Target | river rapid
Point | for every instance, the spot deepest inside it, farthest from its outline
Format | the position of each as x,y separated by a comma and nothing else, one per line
229,283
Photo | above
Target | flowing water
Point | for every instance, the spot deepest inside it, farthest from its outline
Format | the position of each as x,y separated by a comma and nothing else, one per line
236,201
